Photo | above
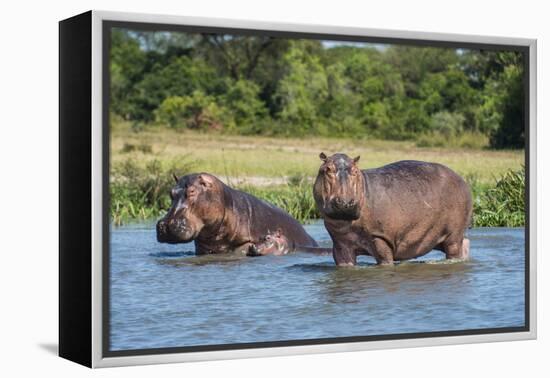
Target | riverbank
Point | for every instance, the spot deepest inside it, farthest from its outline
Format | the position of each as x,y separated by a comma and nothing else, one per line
281,170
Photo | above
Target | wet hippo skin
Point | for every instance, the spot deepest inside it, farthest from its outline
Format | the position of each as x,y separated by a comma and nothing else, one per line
276,243
396,212
220,219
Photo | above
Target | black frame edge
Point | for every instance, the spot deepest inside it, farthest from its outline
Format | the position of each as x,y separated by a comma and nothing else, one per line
75,194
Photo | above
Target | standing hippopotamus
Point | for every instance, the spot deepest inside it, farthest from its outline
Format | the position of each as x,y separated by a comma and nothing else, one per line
396,212
220,219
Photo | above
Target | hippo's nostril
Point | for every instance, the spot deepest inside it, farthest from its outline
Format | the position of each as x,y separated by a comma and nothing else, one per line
176,225
161,226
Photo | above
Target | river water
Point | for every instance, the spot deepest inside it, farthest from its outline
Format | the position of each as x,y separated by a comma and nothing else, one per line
163,296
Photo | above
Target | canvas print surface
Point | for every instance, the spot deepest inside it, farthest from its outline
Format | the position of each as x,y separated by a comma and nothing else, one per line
276,188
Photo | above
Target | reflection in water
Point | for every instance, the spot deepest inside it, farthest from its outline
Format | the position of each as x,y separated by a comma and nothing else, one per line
352,285
164,296
172,254
205,259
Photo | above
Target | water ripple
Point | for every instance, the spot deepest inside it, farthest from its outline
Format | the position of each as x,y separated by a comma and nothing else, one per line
164,296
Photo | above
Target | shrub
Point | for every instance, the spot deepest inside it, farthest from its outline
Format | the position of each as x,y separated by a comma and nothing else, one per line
446,123
504,204
197,111
431,140
181,76
142,192
144,148
473,140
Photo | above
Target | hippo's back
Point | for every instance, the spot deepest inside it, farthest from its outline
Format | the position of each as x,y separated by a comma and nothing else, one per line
416,176
264,217
412,191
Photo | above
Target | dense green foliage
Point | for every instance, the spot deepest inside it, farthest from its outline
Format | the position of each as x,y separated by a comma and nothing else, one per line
263,85
504,204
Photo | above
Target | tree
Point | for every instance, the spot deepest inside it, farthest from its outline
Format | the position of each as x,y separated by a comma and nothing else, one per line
237,55
242,99
414,63
263,84
127,62
181,77
378,90
341,108
299,92
511,105
371,77
449,91
197,111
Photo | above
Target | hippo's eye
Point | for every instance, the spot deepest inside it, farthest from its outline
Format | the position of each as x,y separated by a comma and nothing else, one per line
191,191
268,238
329,170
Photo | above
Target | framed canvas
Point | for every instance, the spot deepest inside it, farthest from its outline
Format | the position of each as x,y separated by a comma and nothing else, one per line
234,189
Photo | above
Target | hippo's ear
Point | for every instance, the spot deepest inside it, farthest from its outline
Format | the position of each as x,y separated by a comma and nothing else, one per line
356,159
323,157
206,180
175,177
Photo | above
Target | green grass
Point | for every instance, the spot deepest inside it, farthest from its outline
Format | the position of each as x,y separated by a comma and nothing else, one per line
297,200
502,205
245,158
466,140
281,170
142,194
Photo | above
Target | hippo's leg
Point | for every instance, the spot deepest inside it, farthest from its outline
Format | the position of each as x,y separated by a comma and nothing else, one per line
383,253
457,250
243,248
344,255
466,248
253,250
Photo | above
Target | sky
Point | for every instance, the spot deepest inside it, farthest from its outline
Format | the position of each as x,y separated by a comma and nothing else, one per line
331,44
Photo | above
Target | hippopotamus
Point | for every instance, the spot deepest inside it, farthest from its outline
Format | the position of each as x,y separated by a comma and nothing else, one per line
276,243
396,212
220,219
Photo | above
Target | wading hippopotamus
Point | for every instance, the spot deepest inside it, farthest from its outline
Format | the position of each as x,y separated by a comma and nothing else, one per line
396,212
220,219
276,243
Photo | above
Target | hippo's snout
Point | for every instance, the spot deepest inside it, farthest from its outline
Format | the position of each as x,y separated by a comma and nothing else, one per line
162,231
339,203
162,228
169,230
341,208
176,226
